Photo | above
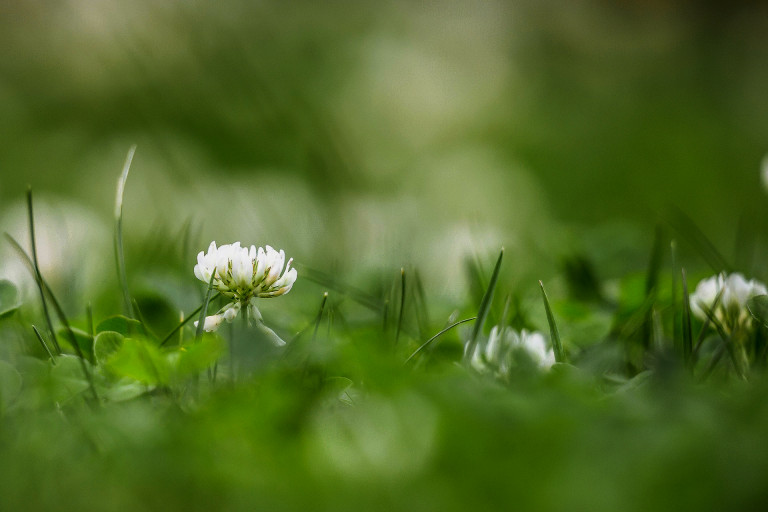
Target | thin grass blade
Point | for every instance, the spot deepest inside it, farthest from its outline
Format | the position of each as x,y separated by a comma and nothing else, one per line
554,333
44,344
485,307
319,316
185,321
433,338
402,306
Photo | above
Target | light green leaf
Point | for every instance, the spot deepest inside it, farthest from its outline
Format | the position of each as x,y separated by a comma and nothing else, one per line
83,339
126,326
106,344
9,298
196,357
68,379
140,360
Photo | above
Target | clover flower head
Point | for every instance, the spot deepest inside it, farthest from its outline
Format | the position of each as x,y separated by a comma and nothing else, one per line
499,350
734,290
243,274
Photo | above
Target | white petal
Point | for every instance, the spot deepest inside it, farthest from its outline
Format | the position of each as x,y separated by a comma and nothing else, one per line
211,323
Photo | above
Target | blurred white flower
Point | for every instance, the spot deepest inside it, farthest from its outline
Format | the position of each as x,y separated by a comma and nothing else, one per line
499,352
731,311
243,274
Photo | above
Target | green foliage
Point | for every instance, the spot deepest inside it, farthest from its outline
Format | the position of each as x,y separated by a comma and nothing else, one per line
121,324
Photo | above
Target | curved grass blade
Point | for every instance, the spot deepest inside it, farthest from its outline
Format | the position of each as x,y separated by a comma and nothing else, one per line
36,268
485,306
46,290
433,338
119,256
557,345
328,281
185,321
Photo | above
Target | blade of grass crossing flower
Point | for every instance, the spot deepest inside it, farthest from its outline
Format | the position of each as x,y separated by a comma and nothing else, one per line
402,306
185,321
688,229
557,345
204,308
705,325
485,306
44,344
433,338
36,268
119,256
687,345
728,343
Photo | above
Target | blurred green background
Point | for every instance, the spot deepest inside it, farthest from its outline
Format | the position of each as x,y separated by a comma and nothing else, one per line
359,134
363,137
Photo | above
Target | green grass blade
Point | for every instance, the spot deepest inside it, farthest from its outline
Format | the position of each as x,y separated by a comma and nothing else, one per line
331,282
36,269
185,321
204,308
119,255
319,316
557,345
44,344
46,291
705,325
485,307
433,338
687,329
688,229
402,306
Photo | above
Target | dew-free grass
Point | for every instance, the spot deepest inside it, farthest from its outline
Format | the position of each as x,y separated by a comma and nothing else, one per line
361,410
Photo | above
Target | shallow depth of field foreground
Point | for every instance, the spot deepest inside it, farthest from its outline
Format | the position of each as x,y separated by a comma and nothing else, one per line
384,256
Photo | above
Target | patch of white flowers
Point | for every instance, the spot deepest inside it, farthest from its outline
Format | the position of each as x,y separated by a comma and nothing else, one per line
731,310
504,347
243,274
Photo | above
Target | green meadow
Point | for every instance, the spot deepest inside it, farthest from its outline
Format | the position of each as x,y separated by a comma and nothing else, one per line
468,255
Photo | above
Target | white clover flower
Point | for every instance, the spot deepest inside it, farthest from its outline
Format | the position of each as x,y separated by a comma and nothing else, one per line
243,274
497,353
731,310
